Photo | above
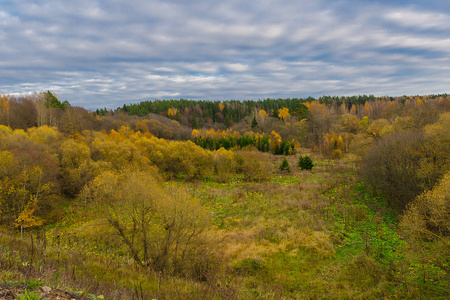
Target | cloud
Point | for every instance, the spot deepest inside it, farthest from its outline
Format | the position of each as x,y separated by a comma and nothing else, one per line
423,20
236,67
106,53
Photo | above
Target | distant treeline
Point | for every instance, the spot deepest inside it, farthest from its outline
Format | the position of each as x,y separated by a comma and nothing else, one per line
233,111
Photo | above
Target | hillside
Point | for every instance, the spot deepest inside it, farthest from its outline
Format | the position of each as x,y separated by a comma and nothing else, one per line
330,198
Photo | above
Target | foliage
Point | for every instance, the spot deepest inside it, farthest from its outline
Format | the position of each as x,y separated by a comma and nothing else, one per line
305,163
228,139
160,227
283,113
29,296
395,165
129,207
27,218
428,216
284,166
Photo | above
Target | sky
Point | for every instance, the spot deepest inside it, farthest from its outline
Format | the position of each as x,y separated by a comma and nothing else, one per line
99,54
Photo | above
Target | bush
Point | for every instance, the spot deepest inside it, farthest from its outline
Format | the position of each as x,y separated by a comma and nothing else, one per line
427,216
305,163
392,167
161,226
285,166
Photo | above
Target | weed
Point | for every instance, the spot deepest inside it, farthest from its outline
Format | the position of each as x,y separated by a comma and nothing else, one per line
32,284
30,296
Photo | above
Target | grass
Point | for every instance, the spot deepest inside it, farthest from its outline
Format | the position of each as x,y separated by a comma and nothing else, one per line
299,235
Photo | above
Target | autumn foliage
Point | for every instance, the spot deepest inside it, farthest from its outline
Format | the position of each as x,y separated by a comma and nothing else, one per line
198,200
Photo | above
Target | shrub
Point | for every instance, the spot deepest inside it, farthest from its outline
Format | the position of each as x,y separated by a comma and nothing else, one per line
392,167
161,226
427,216
285,166
305,163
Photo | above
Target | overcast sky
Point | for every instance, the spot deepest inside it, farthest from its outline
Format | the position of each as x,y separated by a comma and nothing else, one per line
106,53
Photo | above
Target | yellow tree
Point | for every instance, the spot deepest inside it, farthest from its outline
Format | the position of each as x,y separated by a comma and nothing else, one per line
428,216
263,114
141,126
4,104
379,128
283,113
211,133
160,226
367,109
171,112
77,167
21,190
27,218
195,133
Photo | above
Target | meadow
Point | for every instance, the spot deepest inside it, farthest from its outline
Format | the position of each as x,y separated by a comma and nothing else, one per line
124,214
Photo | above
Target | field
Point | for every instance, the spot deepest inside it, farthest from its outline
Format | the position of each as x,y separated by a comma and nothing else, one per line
331,203
300,235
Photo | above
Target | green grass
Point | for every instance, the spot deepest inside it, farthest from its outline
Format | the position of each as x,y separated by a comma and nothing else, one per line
303,235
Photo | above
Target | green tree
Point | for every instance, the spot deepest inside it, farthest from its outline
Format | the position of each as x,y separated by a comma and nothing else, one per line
284,166
305,163
254,123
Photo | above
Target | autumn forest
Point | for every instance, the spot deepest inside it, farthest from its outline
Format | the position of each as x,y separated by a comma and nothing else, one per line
328,198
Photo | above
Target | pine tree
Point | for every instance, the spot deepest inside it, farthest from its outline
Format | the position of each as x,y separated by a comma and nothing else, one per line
305,163
254,123
285,166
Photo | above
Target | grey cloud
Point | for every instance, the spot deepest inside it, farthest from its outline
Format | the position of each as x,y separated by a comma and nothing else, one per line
106,53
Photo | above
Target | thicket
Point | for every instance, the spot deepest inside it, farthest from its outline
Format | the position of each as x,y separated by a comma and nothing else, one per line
405,163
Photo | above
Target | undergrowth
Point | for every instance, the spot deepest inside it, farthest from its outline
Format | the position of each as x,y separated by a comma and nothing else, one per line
302,235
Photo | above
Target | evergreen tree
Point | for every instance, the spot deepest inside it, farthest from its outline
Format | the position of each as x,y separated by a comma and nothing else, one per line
194,122
285,166
305,163
254,123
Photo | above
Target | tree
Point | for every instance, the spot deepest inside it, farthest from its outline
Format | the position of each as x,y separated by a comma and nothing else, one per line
194,123
379,128
351,123
27,218
284,166
283,114
51,101
367,109
161,227
301,112
254,123
392,167
435,160
428,216
305,163
263,114
77,168
22,188
48,108
4,109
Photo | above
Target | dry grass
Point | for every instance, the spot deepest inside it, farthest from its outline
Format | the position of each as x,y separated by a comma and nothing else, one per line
277,239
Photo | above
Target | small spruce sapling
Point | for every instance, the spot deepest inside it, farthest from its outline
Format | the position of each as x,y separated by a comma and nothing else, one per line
305,163
285,166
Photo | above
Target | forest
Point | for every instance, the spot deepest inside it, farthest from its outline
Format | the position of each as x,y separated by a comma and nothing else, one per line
328,198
